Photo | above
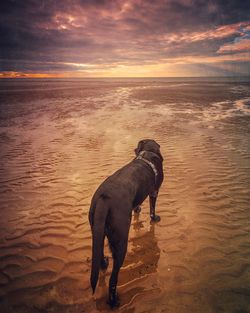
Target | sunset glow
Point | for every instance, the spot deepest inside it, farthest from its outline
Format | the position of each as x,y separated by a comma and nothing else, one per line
44,39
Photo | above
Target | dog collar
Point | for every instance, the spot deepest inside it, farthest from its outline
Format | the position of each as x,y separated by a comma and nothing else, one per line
140,157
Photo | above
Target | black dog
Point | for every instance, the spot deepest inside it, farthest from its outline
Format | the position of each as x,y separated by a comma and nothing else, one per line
112,205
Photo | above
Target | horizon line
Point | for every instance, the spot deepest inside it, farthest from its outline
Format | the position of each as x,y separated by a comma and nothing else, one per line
115,77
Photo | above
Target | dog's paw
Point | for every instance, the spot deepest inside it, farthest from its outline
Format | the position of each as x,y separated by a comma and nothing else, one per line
113,300
137,209
105,263
155,218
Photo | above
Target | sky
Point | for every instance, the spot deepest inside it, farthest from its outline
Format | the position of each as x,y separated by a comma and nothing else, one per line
134,38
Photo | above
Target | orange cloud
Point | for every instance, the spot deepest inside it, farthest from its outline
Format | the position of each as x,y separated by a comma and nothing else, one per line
172,67
241,45
216,33
31,75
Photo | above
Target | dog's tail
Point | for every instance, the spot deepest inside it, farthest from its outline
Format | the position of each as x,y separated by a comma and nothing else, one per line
100,214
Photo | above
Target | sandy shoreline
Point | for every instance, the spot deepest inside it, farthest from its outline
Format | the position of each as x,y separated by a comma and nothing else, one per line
195,260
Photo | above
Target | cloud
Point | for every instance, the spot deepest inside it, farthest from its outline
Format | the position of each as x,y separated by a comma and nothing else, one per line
219,32
48,36
238,46
31,75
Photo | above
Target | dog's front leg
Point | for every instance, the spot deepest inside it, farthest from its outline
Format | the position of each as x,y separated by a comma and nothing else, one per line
152,202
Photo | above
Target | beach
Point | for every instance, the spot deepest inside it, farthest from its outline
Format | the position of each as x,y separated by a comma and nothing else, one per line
61,138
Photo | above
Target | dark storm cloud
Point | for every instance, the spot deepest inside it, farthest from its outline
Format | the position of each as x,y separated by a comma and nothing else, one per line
43,35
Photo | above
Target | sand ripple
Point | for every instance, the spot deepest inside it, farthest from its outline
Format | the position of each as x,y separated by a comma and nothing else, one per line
55,154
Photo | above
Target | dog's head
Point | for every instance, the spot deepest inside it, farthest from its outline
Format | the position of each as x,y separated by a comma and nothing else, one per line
148,145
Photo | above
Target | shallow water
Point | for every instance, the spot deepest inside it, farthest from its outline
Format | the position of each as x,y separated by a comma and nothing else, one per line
60,139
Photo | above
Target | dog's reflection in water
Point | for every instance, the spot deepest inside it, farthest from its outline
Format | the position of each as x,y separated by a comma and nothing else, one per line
141,261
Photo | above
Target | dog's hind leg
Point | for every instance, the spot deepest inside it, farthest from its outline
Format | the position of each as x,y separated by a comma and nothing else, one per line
104,259
137,209
104,263
118,241
118,258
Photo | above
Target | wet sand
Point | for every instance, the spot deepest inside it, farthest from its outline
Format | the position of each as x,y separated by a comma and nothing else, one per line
58,142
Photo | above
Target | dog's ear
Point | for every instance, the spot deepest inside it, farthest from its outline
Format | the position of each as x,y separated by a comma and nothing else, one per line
160,155
139,147
156,149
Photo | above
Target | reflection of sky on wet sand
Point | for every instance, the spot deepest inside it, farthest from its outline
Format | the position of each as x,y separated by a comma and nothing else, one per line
56,152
